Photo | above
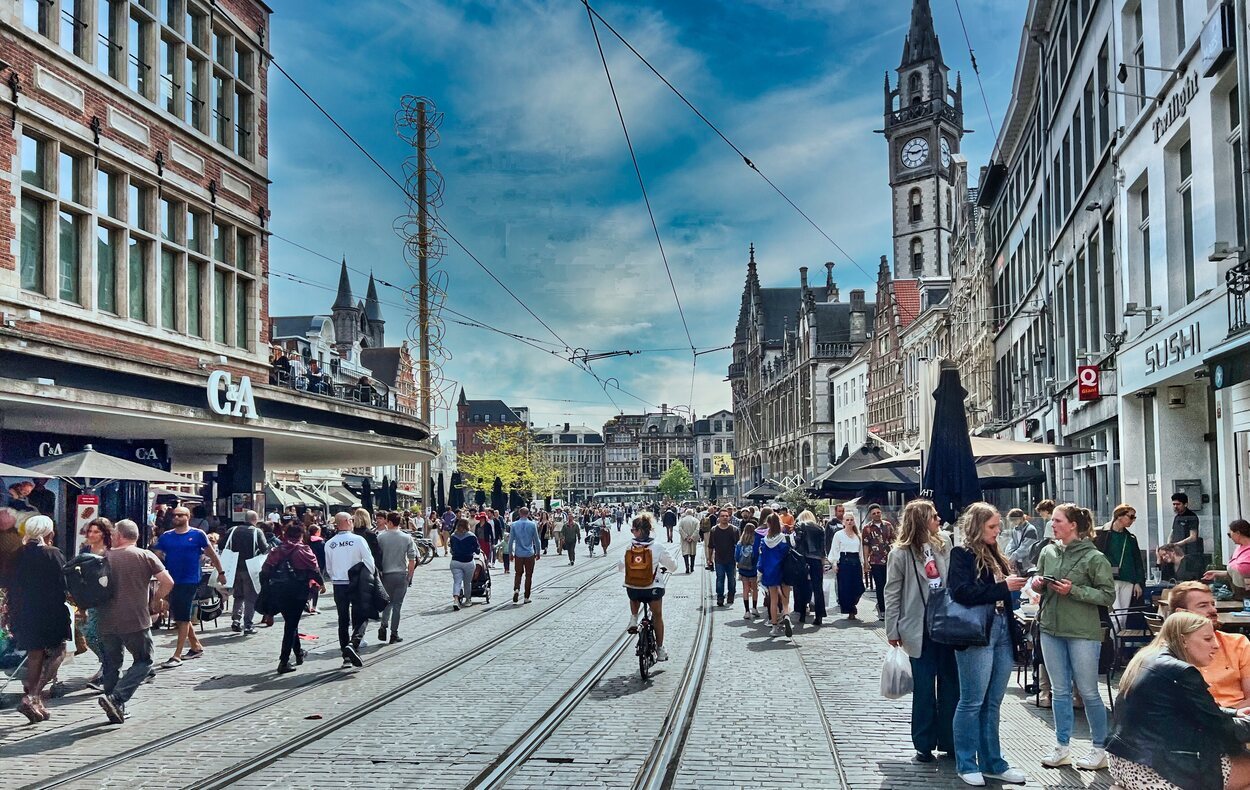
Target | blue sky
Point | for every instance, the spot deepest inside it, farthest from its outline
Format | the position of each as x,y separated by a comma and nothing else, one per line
540,187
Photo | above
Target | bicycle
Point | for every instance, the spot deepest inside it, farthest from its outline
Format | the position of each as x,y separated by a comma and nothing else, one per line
647,650
425,551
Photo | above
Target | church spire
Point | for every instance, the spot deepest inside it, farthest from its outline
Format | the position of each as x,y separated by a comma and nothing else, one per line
344,299
373,308
921,43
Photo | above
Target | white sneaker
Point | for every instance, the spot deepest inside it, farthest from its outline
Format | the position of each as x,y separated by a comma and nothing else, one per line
1062,755
661,654
633,623
774,631
1096,760
755,613
975,779
1012,776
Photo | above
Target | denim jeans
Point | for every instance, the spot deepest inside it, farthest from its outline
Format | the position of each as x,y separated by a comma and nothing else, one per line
1075,661
396,585
726,576
139,645
462,579
935,677
983,676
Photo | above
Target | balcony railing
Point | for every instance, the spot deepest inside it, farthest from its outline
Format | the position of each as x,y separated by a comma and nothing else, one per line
835,350
364,394
1237,280
924,109
737,370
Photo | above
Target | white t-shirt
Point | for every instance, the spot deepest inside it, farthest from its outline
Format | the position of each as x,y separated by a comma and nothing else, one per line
931,571
343,551
843,542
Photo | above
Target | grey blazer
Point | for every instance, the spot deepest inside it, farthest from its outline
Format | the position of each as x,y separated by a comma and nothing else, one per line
906,591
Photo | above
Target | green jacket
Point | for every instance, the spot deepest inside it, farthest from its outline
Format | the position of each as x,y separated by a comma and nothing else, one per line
1075,615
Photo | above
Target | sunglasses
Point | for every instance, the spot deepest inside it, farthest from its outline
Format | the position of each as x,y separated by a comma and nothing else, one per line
1132,516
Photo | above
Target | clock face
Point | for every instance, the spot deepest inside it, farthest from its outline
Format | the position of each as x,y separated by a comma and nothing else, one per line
946,153
915,152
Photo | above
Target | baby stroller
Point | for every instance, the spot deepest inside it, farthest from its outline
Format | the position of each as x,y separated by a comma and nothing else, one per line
480,588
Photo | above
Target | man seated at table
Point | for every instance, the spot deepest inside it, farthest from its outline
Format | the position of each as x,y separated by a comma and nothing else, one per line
1228,674
1175,565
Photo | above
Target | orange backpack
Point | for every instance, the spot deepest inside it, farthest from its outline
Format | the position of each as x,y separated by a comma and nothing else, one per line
639,567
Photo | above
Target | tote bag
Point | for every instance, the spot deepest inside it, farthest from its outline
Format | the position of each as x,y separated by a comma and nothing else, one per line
951,623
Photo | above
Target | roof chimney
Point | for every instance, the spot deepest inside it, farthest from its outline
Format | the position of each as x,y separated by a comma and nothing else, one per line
663,408
857,300
803,277
566,427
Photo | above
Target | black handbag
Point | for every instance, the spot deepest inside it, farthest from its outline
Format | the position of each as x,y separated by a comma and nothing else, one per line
951,623
794,566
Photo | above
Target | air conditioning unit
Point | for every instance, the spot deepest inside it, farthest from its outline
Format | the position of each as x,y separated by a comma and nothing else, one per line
1176,397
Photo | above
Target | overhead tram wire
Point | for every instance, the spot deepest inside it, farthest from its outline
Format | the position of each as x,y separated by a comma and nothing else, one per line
976,70
646,199
745,159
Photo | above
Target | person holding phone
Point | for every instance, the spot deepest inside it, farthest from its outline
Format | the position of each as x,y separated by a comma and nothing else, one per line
1074,579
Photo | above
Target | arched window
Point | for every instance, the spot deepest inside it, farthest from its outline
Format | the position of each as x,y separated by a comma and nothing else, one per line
949,207
807,458
914,88
917,256
914,209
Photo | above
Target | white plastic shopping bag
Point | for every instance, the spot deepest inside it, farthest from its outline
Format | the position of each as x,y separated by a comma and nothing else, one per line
896,674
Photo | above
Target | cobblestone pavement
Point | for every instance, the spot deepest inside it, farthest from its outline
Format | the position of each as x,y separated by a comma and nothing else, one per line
772,712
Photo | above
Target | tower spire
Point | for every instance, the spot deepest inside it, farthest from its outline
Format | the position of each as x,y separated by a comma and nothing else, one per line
344,300
922,42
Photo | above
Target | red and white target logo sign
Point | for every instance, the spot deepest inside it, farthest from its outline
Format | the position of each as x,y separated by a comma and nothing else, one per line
1088,382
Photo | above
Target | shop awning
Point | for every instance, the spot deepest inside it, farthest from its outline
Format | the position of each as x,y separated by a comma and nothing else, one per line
762,492
987,450
322,498
343,496
158,491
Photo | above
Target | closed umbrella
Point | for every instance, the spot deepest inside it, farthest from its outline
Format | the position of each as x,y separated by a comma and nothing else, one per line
384,494
457,491
950,474
515,500
392,493
439,496
498,500
366,494
712,493
479,496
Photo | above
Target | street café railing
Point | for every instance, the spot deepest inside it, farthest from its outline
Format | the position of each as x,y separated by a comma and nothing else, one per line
1237,280
353,393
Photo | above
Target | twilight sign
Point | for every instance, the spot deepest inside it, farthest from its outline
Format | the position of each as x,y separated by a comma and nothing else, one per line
1183,343
1177,106
229,399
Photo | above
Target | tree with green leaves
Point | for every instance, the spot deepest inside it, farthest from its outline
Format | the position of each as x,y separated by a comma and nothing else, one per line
676,480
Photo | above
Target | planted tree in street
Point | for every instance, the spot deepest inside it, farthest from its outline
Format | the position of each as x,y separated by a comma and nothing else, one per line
676,480
511,455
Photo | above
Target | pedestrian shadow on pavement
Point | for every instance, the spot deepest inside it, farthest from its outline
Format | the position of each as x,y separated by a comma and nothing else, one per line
55,739
269,681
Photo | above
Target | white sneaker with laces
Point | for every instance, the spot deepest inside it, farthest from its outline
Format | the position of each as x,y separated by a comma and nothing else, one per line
1096,760
661,654
1012,776
633,623
1062,755
975,779
774,631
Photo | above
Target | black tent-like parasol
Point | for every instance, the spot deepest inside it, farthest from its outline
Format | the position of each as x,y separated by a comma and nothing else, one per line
515,500
763,492
440,495
366,494
950,473
479,496
498,499
855,476
712,492
457,491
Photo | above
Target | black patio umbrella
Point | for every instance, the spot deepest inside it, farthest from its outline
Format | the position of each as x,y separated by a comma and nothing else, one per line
950,474
1008,474
433,495
439,495
763,492
384,494
547,503
366,494
392,495
457,491
479,496
712,492
855,477
515,500
498,499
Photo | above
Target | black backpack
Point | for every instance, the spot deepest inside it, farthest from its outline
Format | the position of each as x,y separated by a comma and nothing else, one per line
87,581
283,588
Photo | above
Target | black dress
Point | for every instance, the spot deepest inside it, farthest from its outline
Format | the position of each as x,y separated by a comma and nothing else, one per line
37,608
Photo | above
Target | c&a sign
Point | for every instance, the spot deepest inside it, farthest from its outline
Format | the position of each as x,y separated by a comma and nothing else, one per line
229,399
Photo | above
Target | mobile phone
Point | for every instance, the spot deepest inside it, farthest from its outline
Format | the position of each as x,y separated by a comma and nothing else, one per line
1051,579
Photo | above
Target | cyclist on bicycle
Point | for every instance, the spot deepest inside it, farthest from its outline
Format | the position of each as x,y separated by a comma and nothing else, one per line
644,564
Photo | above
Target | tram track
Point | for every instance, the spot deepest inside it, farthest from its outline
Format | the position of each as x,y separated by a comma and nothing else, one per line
661,761
99,767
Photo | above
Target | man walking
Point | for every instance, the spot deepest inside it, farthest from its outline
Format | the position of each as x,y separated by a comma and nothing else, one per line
688,531
719,550
809,539
568,533
878,539
125,621
343,552
180,548
399,560
247,541
670,521
523,544
449,524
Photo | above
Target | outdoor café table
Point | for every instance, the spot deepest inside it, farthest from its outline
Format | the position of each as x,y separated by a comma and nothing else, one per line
1230,621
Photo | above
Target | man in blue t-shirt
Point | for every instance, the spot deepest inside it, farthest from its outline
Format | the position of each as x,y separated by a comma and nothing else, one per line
523,545
180,549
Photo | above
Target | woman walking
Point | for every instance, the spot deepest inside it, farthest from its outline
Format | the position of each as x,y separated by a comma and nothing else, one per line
464,547
915,567
97,539
771,549
1119,546
289,574
1162,687
38,614
980,576
318,546
847,555
1072,631
746,559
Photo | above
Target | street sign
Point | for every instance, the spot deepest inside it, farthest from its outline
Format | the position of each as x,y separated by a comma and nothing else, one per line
1088,382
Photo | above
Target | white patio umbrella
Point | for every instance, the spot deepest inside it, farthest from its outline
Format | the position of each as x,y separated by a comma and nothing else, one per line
985,449
98,469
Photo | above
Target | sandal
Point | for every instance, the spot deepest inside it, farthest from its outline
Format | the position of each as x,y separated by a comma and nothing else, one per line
171,663
194,654
29,711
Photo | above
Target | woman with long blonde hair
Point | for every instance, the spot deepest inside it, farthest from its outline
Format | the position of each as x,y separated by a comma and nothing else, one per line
981,576
847,556
916,566
1162,687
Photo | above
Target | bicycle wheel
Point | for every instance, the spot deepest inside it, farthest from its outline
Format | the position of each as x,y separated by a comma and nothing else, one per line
644,666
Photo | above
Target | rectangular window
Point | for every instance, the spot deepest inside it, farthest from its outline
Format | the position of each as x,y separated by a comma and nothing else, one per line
240,312
32,244
106,47
243,123
221,300
169,289
195,102
73,27
137,208
245,249
171,91
106,193
106,270
69,168
35,15
70,257
195,235
169,221
1234,142
219,241
1178,17
222,101
195,286
1143,233
34,154
223,50
139,56
1137,62
138,280
245,63
195,28
1185,161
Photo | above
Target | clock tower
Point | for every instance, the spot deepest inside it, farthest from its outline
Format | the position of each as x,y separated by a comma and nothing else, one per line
923,130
